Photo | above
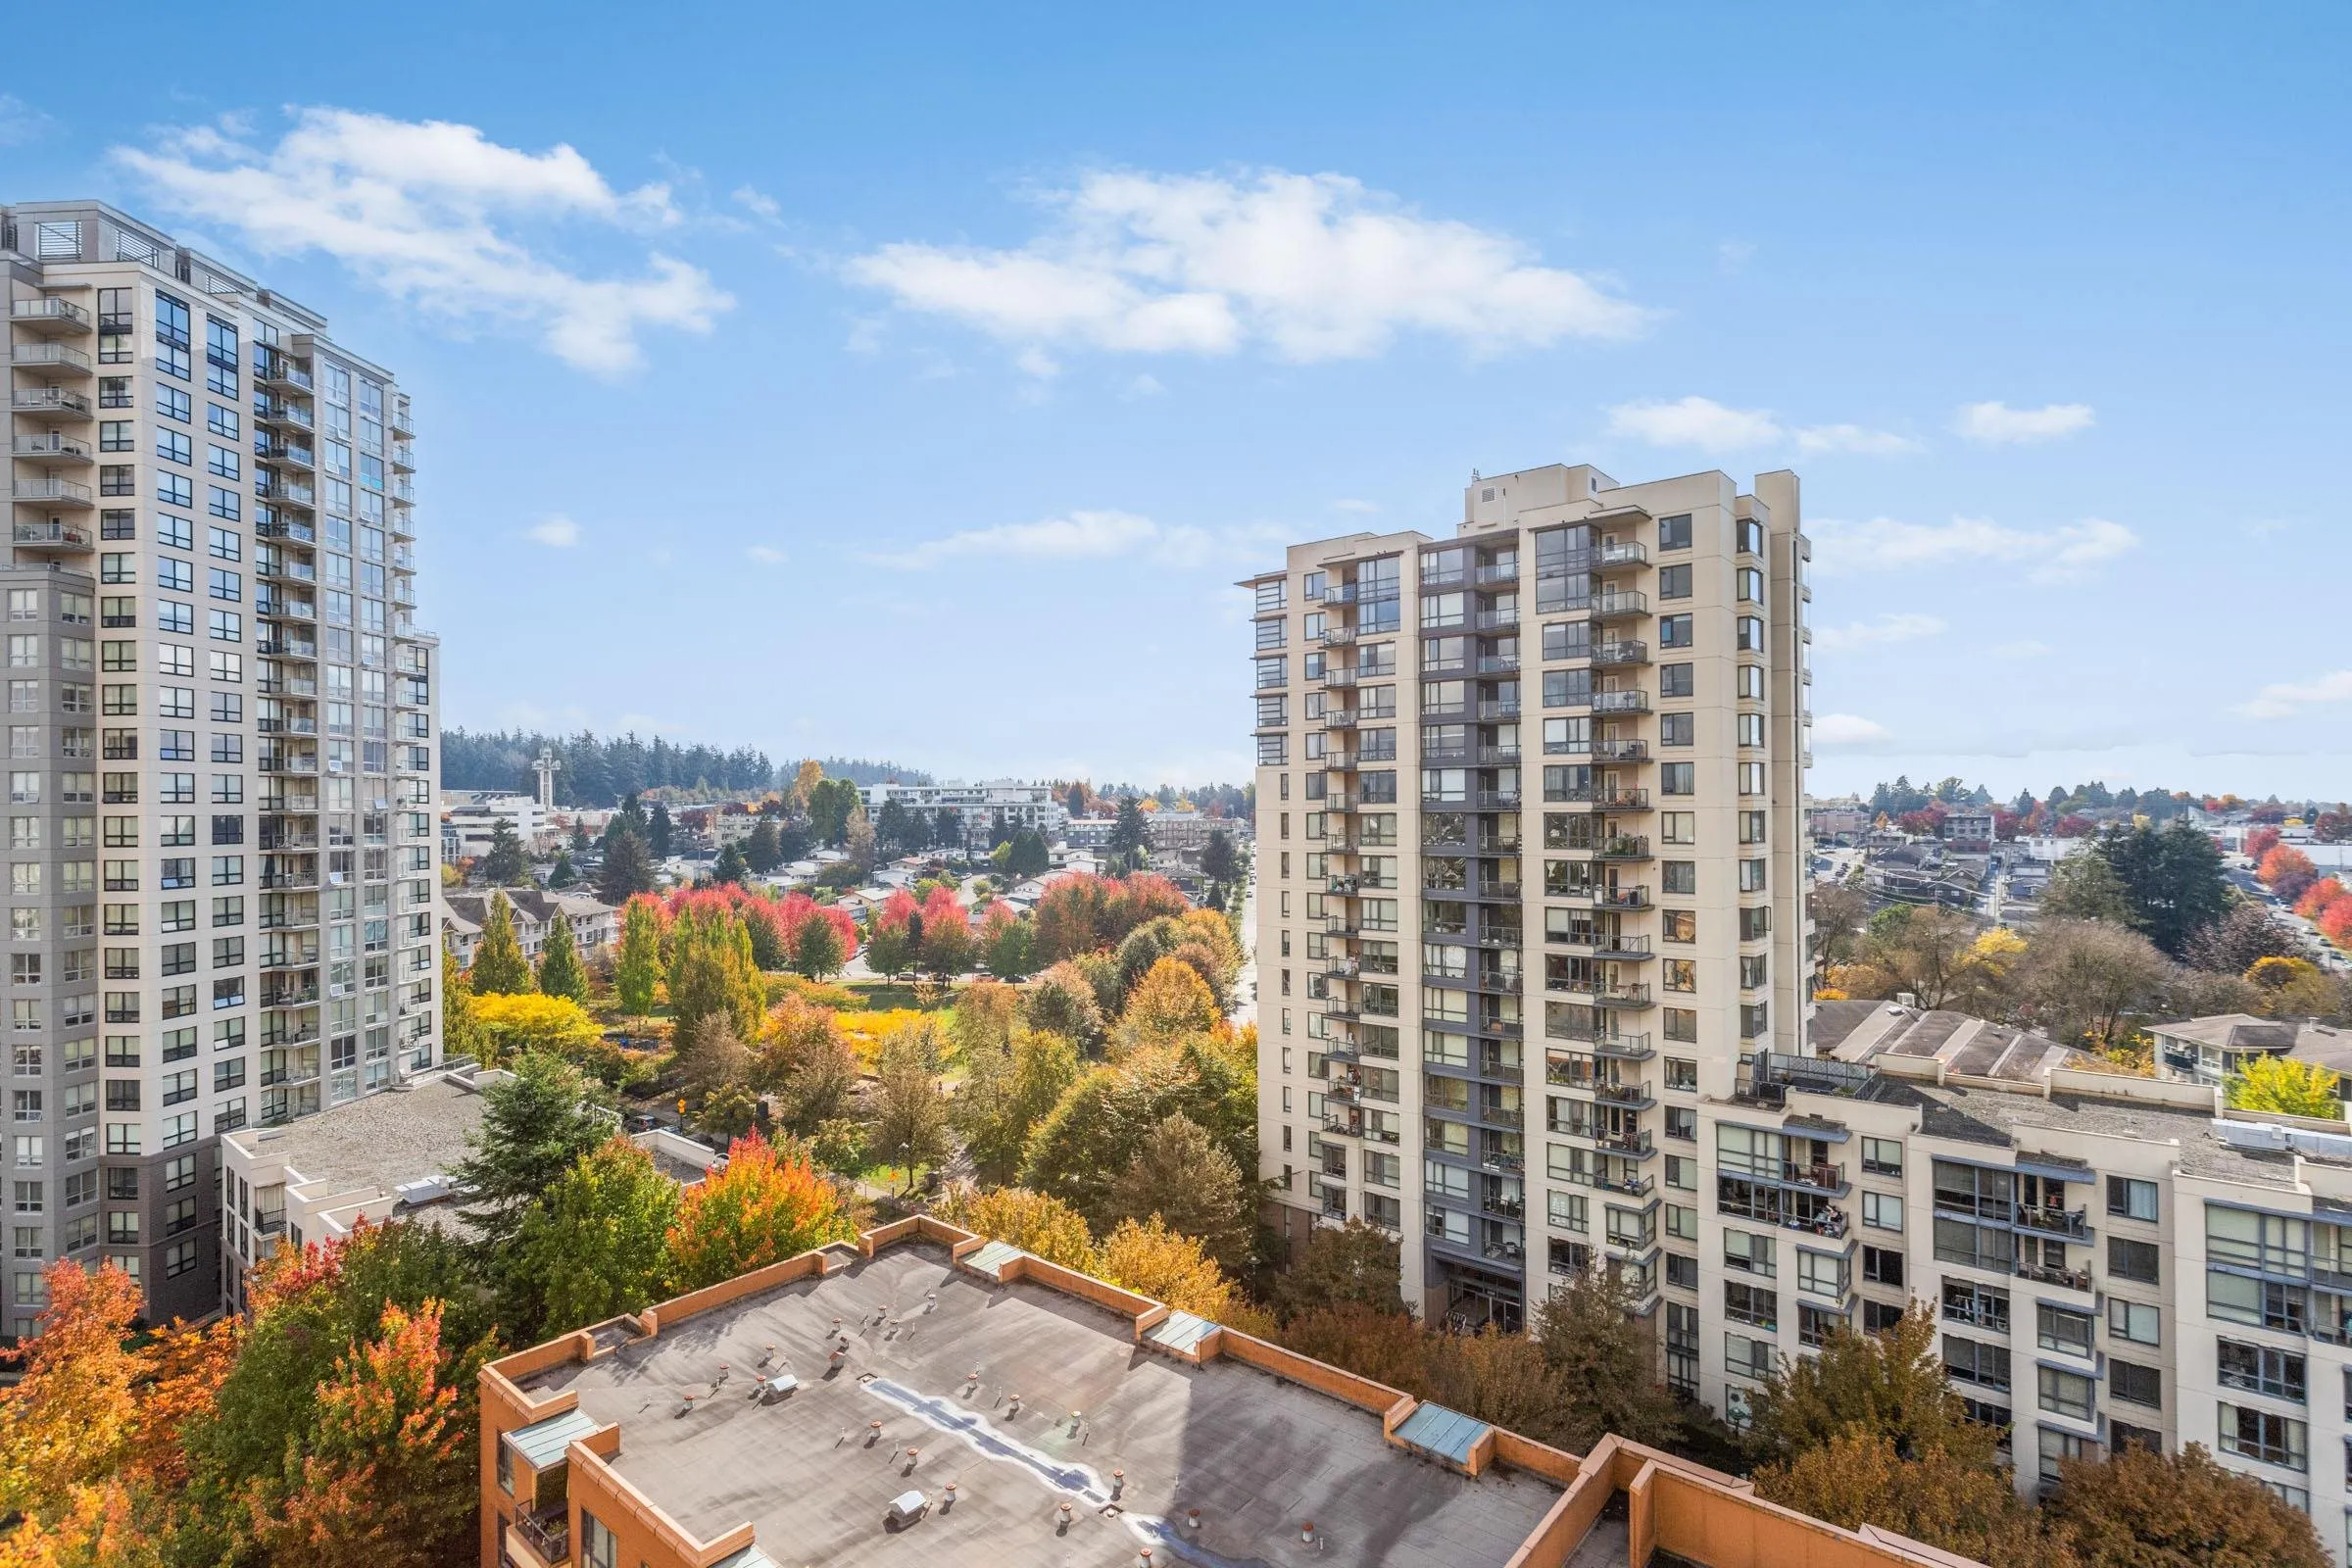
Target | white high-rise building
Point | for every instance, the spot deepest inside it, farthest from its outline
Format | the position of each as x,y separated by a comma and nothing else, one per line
1531,860
222,893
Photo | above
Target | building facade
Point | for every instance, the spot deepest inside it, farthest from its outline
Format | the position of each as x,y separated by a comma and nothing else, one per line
222,897
978,809
1531,870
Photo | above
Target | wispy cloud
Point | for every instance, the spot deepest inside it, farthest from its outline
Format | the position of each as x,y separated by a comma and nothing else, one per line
1313,267
1733,254
430,211
1891,627
1712,426
1849,732
2026,648
20,124
1885,544
766,554
757,204
558,532
1074,537
2288,698
1999,424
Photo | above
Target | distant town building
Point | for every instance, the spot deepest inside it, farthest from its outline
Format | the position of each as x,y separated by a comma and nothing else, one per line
978,809
595,925
1968,829
2212,1050
470,816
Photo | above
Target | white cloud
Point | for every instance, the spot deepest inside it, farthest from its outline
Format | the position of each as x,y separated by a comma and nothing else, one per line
1078,536
20,123
1036,361
1144,386
766,554
426,211
1711,426
2284,699
558,532
1315,266
2026,649
1885,544
1999,424
757,204
1891,627
1733,254
1843,730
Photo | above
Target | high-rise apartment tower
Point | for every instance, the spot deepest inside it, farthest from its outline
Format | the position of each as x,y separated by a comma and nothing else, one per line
1531,870
222,902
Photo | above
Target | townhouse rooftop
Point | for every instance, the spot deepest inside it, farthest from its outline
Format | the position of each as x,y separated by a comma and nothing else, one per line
1064,1400
1863,1032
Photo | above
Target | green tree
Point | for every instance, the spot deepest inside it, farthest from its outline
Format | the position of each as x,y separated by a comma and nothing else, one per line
1218,863
461,1031
764,851
1063,1003
712,970
1179,1177
730,867
906,1121
580,842
1606,1359
1351,1266
1094,1131
1029,855
894,827
499,966
661,834
536,1124
594,1247
1006,1093
2288,1086
1129,835
2172,879
561,972
562,874
628,868
506,864
818,948
2085,887
639,969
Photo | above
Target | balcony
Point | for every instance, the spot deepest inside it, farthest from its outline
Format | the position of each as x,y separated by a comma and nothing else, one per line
1623,847
62,318
1338,677
1493,620
402,425
271,525
52,536
283,491
1817,1178
403,491
1338,636
53,450
404,458
1610,654
1619,605
1496,800
278,568
2071,1223
52,359
1497,663
50,402
1443,576
286,454
1338,718
275,608
1617,553
278,412
52,493
1617,750
1624,701
2071,1279
547,1533
1493,710
1495,576
1340,762
282,371
1620,994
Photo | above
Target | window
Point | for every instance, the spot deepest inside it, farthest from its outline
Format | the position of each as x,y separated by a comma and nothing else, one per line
1678,778
1751,683
2132,1261
2136,1322
1882,1157
1674,533
1748,634
599,1546
1972,1361
2262,1435
2261,1370
2057,1328
1675,631
1673,582
2067,1394
1882,1211
1677,729
2132,1199
1677,680
2056,1447
1678,876
1747,585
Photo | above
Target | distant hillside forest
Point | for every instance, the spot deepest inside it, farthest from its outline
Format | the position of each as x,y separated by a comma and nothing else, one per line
600,771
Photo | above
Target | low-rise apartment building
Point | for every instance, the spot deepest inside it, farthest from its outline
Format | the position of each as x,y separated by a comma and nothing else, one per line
2213,1050
595,925
926,1397
471,818
978,809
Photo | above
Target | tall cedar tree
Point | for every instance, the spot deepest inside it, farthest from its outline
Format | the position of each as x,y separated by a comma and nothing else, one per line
764,851
596,1245
628,868
731,867
536,1126
561,972
562,874
660,835
499,966
1182,1179
1128,834
639,969
761,1208
1217,861
506,864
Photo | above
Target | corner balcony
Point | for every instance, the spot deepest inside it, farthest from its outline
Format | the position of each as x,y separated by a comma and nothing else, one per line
52,536
51,451
1620,751
282,373
278,413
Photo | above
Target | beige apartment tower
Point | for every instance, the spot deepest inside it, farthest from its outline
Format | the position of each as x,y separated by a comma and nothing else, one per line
1531,865
222,897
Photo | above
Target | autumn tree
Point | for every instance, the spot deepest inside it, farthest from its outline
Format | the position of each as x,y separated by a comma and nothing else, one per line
499,966
2081,980
1002,943
1172,1004
2140,1507
1153,1260
1504,1379
1179,1177
71,1421
1094,1131
947,945
1355,1264
1856,1477
711,971
711,1056
1839,913
2239,940
2285,1085
461,1031
1925,947
511,1025
386,1474
1390,1347
807,1063
1606,1359
763,1207
594,1247
639,969
2286,872
1889,1384
536,1124
1018,1217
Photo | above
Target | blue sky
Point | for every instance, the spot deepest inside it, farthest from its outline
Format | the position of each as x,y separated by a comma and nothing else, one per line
918,384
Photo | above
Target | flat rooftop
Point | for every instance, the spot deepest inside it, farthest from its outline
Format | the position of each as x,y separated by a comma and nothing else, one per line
379,1141
1257,1456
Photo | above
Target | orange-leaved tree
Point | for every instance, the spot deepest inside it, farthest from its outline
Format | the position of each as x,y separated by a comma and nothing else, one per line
763,1207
